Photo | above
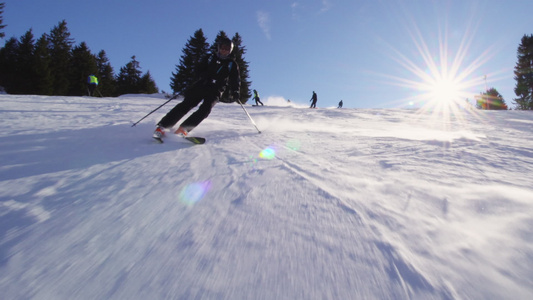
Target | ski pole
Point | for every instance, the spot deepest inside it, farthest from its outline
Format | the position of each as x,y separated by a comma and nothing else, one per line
259,131
174,97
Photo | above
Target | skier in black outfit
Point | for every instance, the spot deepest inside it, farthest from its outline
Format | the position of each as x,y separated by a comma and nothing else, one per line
257,99
313,99
219,71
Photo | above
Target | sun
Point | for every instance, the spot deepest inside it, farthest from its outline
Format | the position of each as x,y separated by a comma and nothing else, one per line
444,90
437,83
438,79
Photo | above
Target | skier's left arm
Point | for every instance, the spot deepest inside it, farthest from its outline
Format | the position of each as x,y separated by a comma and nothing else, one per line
235,82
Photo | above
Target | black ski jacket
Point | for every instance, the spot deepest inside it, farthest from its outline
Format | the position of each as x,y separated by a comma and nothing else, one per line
216,74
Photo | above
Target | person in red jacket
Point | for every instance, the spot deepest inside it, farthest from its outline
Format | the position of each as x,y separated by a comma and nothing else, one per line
218,72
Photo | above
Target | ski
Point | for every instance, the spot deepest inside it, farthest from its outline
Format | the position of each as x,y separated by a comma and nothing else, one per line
193,139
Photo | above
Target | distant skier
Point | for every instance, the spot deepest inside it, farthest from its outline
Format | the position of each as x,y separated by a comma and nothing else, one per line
340,104
92,83
257,99
313,100
217,72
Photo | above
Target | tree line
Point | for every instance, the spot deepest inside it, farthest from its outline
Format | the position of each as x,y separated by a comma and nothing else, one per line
54,65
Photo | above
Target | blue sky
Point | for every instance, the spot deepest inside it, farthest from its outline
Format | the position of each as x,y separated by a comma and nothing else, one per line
369,53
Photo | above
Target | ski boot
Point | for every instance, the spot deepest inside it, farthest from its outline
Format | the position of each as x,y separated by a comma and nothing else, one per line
159,134
181,132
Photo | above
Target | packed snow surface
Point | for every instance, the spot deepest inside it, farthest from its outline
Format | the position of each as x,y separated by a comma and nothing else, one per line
324,204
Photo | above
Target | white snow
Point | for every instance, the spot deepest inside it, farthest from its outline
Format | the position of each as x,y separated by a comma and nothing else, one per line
323,204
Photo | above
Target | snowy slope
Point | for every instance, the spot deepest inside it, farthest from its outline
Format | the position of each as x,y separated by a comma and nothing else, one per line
324,204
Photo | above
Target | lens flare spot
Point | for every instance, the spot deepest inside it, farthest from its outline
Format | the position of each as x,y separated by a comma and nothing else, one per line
294,145
253,160
268,153
194,192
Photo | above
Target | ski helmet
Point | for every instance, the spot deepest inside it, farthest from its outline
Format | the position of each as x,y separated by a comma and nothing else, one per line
225,44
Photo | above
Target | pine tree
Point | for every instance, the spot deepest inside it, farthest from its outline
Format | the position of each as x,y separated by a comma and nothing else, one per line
41,64
131,81
60,51
492,100
239,52
128,78
2,34
147,84
25,75
17,72
194,53
8,64
106,75
82,64
524,74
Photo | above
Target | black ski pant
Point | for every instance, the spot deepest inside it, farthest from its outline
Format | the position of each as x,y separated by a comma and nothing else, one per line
192,99
91,88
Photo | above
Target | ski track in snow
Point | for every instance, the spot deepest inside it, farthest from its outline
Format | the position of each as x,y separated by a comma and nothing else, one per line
323,204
